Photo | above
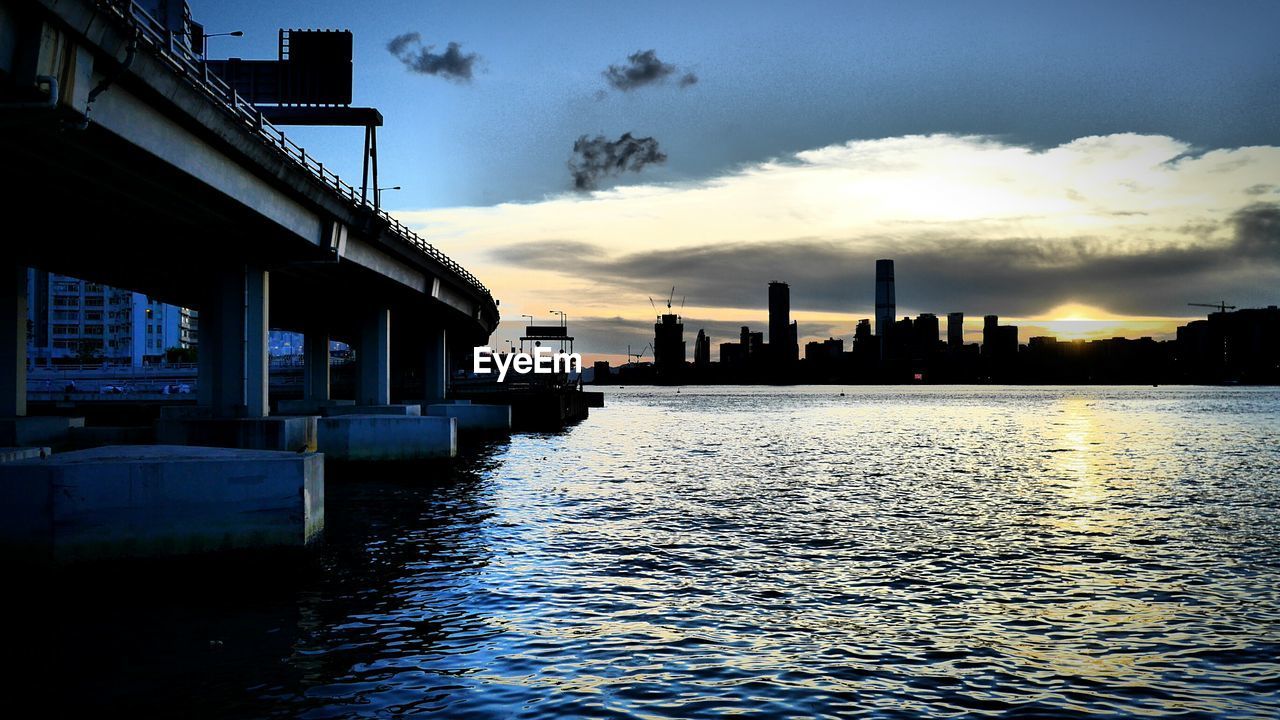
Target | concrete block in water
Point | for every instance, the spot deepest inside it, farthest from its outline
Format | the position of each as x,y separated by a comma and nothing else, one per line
10,454
387,437
37,430
309,407
268,433
475,418
139,501
337,410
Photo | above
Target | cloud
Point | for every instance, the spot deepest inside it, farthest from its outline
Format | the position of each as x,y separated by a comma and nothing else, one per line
643,68
1016,276
594,158
452,64
1135,225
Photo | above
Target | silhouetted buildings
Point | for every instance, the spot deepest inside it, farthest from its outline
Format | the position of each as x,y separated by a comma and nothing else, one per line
702,350
668,347
1241,346
886,302
955,330
783,348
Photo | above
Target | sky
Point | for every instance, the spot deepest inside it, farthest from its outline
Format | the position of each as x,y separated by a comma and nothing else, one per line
1084,169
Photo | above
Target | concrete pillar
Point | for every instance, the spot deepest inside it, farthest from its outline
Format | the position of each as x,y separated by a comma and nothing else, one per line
435,379
233,344
13,340
373,385
315,365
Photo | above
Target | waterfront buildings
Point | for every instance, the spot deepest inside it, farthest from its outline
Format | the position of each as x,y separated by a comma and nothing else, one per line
77,322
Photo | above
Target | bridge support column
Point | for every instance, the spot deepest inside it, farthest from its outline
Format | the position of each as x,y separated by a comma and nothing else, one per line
13,340
373,386
315,366
233,344
435,378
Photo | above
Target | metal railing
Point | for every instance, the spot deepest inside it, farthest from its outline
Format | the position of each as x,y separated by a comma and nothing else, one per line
165,45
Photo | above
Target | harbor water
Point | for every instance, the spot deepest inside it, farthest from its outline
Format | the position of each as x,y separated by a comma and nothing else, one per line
772,552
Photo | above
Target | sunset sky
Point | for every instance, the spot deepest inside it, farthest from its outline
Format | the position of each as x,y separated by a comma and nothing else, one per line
1082,169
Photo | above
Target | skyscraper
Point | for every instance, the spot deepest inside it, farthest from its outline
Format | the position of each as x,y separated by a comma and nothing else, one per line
702,350
668,346
886,304
990,325
782,340
955,329
926,334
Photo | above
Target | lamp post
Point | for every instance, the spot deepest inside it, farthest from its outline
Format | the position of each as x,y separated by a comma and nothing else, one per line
564,319
204,40
377,194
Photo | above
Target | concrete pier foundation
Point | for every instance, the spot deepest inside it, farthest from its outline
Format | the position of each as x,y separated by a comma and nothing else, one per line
373,359
435,379
141,501
486,419
233,344
362,438
191,426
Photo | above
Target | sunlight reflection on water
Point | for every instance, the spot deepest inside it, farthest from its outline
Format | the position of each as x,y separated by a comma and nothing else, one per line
791,552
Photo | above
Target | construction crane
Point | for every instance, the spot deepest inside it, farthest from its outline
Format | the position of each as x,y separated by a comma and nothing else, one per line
671,297
1222,305
638,355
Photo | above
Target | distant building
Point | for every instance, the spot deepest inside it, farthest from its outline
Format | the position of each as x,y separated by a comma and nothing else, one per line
1241,346
824,350
702,350
955,329
601,372
782,332
925,331
732,354
886,302
990,323
862,335
668,345
73,321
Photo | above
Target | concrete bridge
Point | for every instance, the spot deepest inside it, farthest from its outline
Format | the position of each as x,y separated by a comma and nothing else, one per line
127,163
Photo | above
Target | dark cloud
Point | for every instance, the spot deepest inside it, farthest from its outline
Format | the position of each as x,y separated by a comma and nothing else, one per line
644,68
594,158
452,64
1015,276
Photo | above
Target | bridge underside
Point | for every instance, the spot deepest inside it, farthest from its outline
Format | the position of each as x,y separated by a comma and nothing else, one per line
86,203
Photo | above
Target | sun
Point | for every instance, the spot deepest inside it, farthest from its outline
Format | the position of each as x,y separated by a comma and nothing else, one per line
1078,321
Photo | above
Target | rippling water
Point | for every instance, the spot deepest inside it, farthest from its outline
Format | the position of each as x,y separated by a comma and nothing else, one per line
782,552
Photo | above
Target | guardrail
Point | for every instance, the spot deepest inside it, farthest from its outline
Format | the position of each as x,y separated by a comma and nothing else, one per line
165,45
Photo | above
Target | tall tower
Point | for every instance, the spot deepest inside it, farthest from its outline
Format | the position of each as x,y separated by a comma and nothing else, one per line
668,346
990,328
781,341
955,329
886,304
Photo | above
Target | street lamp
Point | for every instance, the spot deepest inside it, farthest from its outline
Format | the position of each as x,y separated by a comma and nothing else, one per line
203,46
377,194
564,319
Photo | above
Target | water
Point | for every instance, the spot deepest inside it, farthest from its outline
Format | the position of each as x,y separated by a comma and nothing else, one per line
778,552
